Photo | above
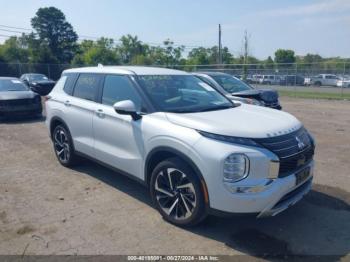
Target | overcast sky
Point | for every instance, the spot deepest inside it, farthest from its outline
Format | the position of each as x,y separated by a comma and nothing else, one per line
314,26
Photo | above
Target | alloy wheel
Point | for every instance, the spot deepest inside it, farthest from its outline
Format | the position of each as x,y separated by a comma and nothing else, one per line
175,193
62,146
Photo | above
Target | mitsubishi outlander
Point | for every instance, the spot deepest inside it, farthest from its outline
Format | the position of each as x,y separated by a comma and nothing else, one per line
198,152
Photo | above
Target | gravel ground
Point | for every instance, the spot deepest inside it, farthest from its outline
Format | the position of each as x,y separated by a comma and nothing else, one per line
47,209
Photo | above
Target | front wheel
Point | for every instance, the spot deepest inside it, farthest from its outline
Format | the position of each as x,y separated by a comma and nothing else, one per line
177,194
63,146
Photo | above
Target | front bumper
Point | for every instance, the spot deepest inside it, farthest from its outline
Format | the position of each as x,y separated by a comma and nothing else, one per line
27,110
269,199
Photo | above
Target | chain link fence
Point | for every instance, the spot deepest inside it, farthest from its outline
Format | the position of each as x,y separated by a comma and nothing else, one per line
314,80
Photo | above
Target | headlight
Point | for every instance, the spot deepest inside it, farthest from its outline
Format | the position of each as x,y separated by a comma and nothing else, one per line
230,139
236,167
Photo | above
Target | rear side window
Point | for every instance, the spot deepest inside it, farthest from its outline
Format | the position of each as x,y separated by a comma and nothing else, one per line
69,85
118,88
86,86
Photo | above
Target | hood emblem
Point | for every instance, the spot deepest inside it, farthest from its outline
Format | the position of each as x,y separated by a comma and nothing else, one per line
301,144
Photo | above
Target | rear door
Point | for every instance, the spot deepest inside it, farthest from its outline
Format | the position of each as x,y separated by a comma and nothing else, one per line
80,109
118,138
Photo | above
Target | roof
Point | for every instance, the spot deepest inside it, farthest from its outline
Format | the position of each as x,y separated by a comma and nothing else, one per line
128,70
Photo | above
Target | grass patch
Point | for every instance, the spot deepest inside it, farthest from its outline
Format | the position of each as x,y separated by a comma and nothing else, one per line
314,94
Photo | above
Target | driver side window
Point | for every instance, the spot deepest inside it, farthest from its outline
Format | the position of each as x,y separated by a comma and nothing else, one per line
119,88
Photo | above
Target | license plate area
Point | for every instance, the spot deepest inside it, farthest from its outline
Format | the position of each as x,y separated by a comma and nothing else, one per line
302,175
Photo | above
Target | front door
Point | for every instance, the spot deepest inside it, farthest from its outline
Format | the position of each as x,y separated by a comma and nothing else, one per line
118,138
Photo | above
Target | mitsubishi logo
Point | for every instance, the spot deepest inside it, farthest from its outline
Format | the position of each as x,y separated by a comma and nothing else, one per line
301,144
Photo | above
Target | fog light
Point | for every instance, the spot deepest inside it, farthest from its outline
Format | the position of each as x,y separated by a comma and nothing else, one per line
236,167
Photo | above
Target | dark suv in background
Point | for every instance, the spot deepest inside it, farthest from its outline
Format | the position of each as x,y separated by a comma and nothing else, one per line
39,83
237,90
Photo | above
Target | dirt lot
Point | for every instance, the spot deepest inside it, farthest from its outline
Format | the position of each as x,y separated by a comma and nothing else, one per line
48,209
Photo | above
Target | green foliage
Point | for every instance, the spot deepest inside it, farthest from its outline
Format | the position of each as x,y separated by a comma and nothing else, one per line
92,53
55,33
284,56
14,50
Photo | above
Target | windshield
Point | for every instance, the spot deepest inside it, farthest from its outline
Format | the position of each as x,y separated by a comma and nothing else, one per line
37,77
12,85
182,94
231,84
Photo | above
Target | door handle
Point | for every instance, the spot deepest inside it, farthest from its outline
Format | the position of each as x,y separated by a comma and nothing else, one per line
67,103
100,113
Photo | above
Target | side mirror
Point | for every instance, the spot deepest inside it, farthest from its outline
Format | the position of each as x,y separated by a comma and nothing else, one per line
127,107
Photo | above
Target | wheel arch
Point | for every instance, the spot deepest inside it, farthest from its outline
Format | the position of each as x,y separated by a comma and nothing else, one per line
55,121
159,154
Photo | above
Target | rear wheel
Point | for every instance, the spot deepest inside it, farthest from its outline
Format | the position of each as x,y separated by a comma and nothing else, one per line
177,194
63,146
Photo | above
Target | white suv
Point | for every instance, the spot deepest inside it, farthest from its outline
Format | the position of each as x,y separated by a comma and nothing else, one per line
198,152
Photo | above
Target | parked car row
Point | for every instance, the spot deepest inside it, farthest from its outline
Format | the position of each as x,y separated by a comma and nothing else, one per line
318,80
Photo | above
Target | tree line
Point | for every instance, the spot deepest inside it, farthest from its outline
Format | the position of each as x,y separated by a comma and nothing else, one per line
54,41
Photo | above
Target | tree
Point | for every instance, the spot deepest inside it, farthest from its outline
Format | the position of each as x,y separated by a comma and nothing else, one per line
172,54
131,47
14,50
56,33
199,56
284,56
312,58
100,52
268,64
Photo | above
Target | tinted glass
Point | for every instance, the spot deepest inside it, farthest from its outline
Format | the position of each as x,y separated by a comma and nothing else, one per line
69,85
231,84
182,94
37,77
119,88
12,85
86,86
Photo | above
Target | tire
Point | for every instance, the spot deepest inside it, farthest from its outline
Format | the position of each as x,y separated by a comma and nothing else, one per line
63,146
318,83
180,202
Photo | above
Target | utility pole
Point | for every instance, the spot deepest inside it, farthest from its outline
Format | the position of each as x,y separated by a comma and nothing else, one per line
245,55
220,55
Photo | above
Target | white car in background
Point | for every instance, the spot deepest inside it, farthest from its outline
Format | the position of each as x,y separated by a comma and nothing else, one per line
345,82
322,80
270,80
196,151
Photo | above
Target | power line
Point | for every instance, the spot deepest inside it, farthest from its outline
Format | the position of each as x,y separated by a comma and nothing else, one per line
87,37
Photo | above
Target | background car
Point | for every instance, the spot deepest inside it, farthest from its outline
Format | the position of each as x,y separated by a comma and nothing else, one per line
345,82
238,90
17,99
291,80
270,80
322,80
39,83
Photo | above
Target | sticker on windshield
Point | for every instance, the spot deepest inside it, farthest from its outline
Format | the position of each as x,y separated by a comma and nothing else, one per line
206,86
16,81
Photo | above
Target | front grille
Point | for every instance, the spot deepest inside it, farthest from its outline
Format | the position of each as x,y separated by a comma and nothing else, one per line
18,102
294,150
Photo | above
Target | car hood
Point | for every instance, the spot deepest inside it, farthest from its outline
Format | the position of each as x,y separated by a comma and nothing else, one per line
12,95
268,95
242,121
